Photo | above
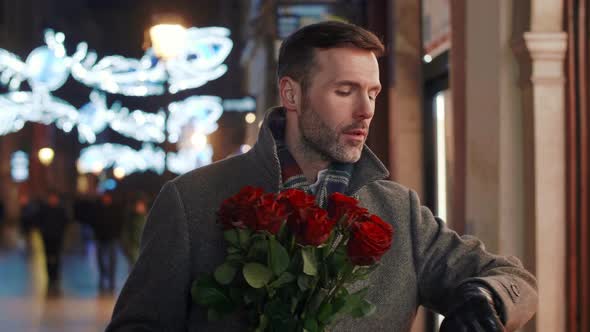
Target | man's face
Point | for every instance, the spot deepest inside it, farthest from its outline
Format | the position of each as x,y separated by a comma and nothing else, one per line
339,103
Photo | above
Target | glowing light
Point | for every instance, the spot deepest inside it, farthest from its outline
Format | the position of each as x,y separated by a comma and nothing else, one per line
107,185
193,58
121,156
250,118
427,58
441,156
188,159
199,113
96,116
199,141
246,104
82,184
168,40
97,167
245,148
119,173
95,158
46,156
19,166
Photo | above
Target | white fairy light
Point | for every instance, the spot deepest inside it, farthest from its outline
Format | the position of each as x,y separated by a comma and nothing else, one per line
123,157
126,160
186,160
198,112
198,60
19,166
246,104
199,141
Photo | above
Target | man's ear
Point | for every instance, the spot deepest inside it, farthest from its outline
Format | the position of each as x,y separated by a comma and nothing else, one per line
290,93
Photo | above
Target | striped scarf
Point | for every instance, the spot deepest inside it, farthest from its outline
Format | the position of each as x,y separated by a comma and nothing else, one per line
334,179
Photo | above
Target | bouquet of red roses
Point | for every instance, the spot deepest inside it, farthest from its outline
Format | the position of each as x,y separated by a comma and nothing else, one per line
289,261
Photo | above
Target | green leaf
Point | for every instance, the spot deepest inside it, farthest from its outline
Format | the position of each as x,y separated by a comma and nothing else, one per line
325,312
310,324
283,234
231,236
337,261
310,264
304,282
225,273
256,274
362,273
277,311
205,292
244,237
258,248
263,323
282,280
354,300
279,257
364,309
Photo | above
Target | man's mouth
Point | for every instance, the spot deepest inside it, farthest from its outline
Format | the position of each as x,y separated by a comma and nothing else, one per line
358,133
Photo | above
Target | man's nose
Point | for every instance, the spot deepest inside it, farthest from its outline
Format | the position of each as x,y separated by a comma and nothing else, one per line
365,108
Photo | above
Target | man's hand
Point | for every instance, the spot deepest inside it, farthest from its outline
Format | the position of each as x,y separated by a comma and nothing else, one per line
473,310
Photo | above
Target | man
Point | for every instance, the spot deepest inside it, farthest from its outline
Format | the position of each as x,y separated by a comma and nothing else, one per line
107,229
52,224
328,81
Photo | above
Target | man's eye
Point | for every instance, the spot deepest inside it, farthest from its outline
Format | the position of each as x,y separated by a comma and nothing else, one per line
342,93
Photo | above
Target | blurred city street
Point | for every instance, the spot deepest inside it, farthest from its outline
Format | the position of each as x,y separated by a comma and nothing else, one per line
26,306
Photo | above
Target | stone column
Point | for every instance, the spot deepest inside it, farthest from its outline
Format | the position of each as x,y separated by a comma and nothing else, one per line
546,185
405,97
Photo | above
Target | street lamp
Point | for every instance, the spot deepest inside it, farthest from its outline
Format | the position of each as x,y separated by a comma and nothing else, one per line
119,173
46,156
167,40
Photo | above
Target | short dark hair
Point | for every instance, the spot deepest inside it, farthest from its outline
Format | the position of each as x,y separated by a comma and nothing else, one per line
296,55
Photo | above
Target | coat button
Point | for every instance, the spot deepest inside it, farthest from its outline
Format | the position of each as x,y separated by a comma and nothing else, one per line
515,289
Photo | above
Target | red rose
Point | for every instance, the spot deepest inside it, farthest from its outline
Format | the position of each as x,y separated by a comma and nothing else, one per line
344,209
311,226
238,210
370,238
296,199
269,214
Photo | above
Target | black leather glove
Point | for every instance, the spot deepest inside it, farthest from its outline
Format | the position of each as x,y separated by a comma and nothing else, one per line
473,309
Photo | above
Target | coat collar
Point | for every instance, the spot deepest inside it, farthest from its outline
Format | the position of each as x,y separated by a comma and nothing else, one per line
366,170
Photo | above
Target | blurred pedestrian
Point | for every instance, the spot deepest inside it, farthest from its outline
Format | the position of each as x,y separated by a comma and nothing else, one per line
86,214
107,229
52,224
30,210
132,229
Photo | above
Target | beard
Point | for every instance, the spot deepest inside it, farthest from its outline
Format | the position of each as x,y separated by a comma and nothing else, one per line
319,141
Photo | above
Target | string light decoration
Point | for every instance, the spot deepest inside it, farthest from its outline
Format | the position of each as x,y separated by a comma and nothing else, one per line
198,62
46,69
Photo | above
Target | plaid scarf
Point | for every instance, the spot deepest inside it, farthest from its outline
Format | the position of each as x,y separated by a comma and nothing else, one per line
334,179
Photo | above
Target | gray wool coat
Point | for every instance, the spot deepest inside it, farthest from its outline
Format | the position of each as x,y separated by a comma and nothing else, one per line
426,262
